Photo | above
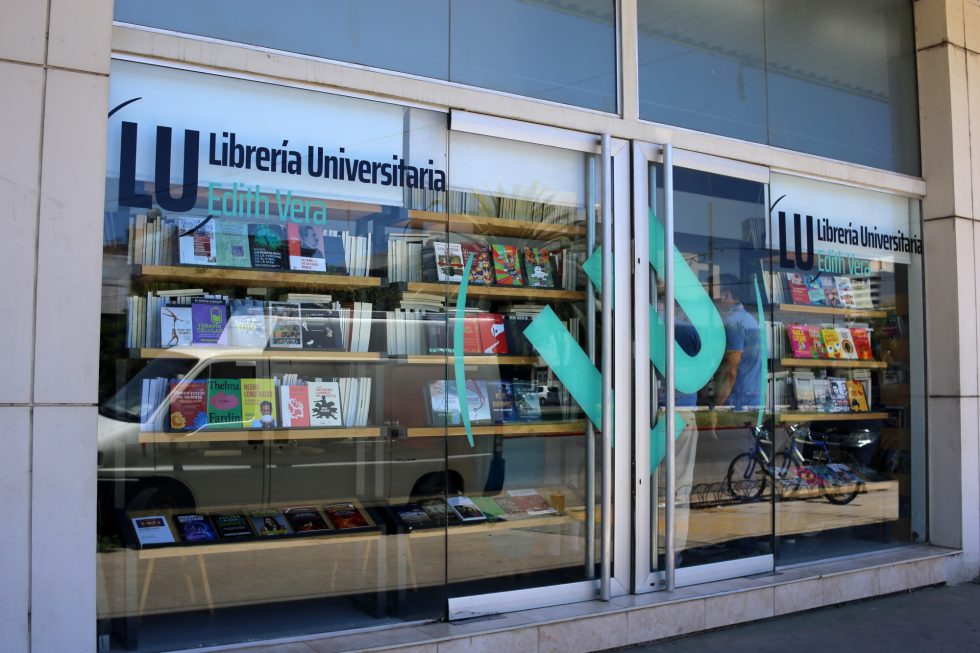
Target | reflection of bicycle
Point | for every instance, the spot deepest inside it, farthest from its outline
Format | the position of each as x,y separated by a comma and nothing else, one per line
789,470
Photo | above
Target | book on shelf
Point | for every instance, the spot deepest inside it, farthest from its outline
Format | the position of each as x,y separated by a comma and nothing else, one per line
325,405
816,340
154,406
176,326
412,516
247,324
848,347
231,243
438,511
501,396
478,401
506,265
448,261
224,404
823,396
355,397
305,519
347,516
492,334
259,404
295,403
814,289
481,270
231,525
804,394
335,255
857,395
798,291
831,342
466,510
304,242
268,247
526,401
152,529
208,319
443,403
862,343
838,391
530,502
194,527
845,292
285,330
269,522
196,242
830,293
490,508
537,267
862,293
320,327
799,340
188,405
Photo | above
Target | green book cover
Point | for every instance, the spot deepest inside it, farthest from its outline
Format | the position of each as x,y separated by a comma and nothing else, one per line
231,241
489,507
224,404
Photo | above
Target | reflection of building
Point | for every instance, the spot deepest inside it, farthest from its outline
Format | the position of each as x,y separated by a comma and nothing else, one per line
798,99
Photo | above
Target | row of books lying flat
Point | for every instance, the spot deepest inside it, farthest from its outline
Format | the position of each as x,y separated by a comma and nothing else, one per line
248,404
339,517
415,257
821,289
221,242
830,342
831,394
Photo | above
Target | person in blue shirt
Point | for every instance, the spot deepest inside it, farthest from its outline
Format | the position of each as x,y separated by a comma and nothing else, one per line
738,381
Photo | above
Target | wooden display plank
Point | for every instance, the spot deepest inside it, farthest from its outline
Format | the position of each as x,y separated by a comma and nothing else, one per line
478,224
508,292
784,418
833,362
205,276
157,437
832,310
440,359
506,430
261,354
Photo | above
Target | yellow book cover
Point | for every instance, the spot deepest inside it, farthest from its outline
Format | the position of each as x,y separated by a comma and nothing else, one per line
859,400
259,404
831,342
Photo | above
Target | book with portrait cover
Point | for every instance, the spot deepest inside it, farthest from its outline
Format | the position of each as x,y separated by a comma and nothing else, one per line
346,516
449,261
830,290
195,241
838,390
259,404
466,510
152,529
304,242
224,404
862,343
537,267
325,409
231,241
506,265
194,527
268,246
232,525
269,522
305,519
188,405
295,402
481,271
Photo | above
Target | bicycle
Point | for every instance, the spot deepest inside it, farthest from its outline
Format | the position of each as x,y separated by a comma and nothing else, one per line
789,470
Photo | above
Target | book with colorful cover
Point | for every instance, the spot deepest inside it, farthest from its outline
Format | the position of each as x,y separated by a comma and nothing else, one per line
493,334
501,394
489,507
449,261
231,241
816,341
823,396
805,398
526,401
537,267
848,347
304,242
346,516
259,404
830,290
232,525
285,329
831,342
176,326
325,409
481,271
798,292
208,319
799,340
269,522
195,241
845,292
814,289
862,343
194,527
466,510
531,502
305,519
268,247
188,405
152,529
857,396
295,402
506,265
224,404
838,390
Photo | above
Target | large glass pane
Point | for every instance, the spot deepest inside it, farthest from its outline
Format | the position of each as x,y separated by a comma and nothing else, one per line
841,80
548,49
410,37
847,292
701,65
255,443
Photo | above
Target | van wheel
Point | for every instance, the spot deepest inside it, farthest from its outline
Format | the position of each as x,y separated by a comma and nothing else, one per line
438,484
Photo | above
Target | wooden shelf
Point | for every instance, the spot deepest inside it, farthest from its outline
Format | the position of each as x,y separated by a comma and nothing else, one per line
507,430
239,353
508,292
784,418
243,277
155,437
831,310
477,224
833,362
440,359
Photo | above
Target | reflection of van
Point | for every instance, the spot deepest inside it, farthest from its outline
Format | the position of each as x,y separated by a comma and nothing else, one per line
208,468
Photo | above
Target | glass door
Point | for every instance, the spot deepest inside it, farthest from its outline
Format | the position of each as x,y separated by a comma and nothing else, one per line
704,509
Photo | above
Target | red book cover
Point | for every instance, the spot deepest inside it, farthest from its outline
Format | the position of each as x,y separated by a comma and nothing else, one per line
345,516
799,339
295,404
862,342
188,405
481,272
493,336
816,341
471,336
798,292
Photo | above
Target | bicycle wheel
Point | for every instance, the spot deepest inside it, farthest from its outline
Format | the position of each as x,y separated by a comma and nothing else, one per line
847,481
786,476
745,478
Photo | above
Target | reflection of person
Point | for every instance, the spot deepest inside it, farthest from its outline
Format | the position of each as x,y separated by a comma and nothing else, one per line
265,420
739,377
309,242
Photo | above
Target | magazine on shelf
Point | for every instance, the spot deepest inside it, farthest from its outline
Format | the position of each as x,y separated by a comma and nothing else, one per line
152,529
194,527
305,519
269,522
347,516
232,525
